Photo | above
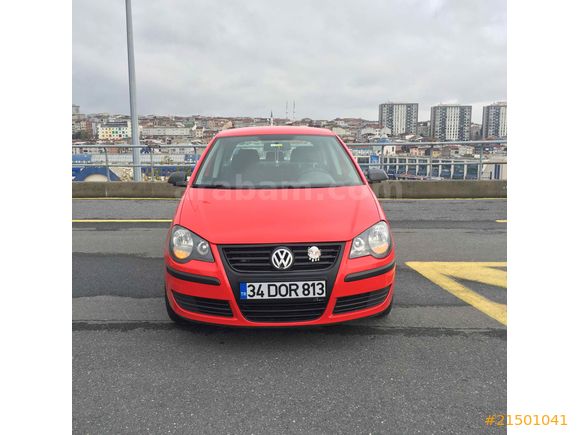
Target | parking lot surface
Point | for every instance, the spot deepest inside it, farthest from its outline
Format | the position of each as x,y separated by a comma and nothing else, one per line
437,364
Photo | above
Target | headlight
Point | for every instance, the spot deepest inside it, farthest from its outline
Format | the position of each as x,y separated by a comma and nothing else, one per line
185,245
375,241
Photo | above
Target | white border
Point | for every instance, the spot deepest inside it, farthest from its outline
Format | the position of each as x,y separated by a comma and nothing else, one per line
36,213
543,217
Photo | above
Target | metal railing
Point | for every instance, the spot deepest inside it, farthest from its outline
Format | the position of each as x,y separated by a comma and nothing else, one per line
165,158
450,160
118,156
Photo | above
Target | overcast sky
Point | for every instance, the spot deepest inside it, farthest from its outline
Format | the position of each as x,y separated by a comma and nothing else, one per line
336,58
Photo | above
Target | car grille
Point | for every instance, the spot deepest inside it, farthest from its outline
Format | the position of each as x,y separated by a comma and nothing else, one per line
360,301
195,304
287,311
257,258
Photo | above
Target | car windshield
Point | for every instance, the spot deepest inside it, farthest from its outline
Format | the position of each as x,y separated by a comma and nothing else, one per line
276,161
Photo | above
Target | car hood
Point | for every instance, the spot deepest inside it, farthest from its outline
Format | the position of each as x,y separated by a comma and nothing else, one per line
224,216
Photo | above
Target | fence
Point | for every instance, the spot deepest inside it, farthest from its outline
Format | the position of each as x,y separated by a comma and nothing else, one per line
159,160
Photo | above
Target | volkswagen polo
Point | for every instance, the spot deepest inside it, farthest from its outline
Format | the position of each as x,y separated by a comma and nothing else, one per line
278,226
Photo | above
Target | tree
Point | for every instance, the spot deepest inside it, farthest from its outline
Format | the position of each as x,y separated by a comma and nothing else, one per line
82,135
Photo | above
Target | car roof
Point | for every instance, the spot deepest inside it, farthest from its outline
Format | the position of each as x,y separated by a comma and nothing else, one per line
256,131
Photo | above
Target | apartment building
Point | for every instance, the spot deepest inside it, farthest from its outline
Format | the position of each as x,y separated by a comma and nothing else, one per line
494,123
400,118
114,130
450,122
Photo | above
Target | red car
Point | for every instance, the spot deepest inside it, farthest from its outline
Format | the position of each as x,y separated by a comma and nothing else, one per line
278,226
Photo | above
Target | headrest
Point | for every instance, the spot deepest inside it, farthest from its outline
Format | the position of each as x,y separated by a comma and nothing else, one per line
244,158
305,154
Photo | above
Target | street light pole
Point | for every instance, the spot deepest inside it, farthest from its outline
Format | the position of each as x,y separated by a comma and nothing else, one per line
133,96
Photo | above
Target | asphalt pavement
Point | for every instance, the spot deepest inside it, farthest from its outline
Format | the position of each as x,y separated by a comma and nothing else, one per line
437,364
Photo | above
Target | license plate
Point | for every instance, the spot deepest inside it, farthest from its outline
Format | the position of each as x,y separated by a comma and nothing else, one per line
282,290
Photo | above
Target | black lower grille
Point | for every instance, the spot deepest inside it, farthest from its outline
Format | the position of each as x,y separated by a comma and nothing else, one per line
257,258
195,304
247,263
360,301
299,310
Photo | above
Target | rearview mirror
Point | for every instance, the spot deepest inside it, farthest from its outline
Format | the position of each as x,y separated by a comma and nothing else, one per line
178,179
375,175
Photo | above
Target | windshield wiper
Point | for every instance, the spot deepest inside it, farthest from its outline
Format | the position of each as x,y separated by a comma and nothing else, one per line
262,186
213,186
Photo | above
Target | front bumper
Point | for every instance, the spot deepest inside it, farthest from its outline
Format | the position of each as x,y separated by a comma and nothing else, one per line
209,292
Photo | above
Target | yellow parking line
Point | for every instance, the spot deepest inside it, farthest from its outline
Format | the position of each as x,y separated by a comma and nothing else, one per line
442,199
99,221
105,198
501,221
125,199
442,274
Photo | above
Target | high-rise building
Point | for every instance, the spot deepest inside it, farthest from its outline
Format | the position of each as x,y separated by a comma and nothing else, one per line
75,109
450,122
494,123
400,118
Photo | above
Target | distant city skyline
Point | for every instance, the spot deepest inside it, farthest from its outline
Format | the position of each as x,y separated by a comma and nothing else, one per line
334,58
477,118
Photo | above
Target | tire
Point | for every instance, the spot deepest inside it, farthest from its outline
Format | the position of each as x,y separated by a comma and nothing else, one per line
172,314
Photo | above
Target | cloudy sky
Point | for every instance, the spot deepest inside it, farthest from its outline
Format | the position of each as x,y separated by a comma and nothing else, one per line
335,58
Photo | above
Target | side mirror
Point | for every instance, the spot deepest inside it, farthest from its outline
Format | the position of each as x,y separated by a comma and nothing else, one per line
178,179
375,175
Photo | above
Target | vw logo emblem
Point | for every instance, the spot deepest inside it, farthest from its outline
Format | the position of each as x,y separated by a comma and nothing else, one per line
282,258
